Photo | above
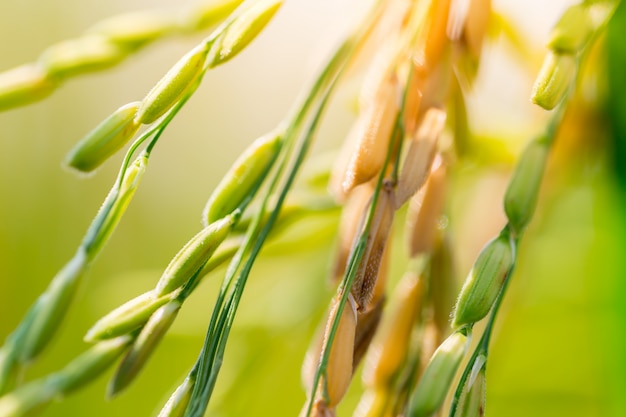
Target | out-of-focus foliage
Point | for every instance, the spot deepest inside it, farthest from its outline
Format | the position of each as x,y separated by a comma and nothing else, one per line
558,349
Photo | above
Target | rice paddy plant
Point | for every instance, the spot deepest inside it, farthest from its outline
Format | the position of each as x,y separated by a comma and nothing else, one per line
389,192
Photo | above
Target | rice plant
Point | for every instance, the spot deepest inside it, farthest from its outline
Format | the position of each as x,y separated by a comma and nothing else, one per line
397,242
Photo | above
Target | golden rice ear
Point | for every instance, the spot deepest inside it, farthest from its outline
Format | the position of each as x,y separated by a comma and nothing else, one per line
420,155
369,266
363,152
424,212
351,223
335,382
339,369
369,140
390,347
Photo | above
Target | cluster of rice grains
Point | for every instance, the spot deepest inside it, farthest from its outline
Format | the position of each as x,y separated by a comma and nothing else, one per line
397,153
394,154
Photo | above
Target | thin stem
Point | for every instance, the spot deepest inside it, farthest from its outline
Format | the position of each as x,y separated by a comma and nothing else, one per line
210,355
243,276
222,317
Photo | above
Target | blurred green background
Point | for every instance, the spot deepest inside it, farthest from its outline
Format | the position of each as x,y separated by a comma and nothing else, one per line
559,347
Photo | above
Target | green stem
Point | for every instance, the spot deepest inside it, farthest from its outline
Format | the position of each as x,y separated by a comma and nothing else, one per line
296,120
90,244
483,345
211,356
243,276
222,318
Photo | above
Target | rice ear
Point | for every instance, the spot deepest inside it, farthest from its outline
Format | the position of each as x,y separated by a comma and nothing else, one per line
350,225
425,209
368,141
367,272
339,369
420,155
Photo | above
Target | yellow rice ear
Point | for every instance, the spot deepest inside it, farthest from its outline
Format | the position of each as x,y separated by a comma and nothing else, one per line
369,266
339,370
368,141
350,225
390,346
420,155
425,209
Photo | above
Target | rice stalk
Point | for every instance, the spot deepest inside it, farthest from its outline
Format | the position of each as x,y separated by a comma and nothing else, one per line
207,367
210,359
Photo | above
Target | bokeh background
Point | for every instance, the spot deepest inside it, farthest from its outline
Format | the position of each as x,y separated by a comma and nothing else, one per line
559,347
